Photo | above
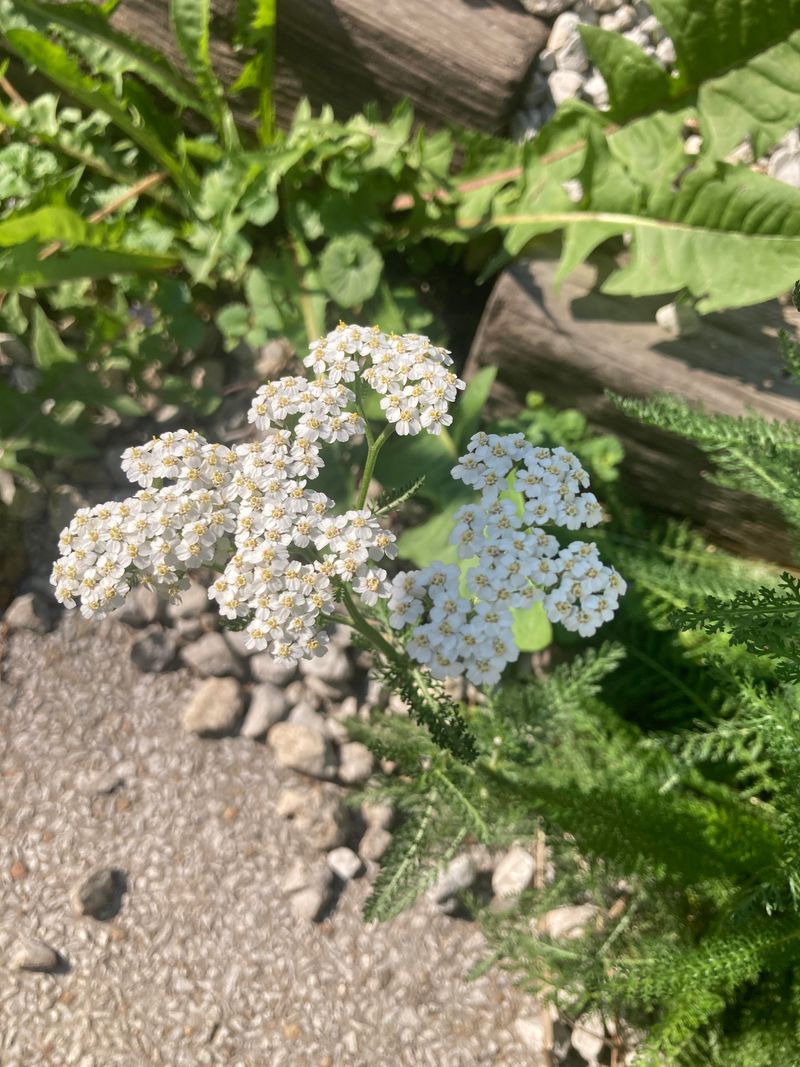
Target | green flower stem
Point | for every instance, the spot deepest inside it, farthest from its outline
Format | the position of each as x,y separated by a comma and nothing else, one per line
360,623
369,466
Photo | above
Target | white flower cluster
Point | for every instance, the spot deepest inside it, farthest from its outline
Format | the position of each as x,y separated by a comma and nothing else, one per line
410,374
462,617
285,548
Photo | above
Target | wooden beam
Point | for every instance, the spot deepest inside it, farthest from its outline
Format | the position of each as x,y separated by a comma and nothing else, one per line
572,343
458,61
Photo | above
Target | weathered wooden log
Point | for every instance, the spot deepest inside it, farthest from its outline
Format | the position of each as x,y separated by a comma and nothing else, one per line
458,61
574,342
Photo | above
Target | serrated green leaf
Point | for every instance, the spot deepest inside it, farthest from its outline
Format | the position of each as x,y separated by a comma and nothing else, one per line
190,22
350,269
695,232
89,19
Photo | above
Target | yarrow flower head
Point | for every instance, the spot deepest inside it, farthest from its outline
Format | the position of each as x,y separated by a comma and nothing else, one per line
283,551
464,624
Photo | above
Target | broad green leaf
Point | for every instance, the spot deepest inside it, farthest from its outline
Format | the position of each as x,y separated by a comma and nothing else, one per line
636,83
738,62
697,231
21,267
45,224
532,630
428,542
89,19
350,269
468,411
48,348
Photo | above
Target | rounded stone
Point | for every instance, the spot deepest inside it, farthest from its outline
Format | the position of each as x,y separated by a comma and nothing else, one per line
344,863
210,655
34,956
268,705
301,748
215,707
514,873
98,894
29,612
355,763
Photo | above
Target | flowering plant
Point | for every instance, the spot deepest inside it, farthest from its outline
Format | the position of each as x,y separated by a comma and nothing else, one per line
291,560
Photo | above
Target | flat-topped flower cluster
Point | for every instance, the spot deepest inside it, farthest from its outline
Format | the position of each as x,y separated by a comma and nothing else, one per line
462,617
286,548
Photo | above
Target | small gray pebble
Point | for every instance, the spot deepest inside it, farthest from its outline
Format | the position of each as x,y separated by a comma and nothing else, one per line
141,607
266,669
155,651
211,655
98,894
301,748
268,705
374,843
332,667
35,956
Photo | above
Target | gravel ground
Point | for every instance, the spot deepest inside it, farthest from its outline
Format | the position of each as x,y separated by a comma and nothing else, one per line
204,963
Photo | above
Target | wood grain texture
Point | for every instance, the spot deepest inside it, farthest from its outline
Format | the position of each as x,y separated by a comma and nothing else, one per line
574,343
458,61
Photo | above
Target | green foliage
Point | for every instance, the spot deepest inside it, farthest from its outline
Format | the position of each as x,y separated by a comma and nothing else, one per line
278,233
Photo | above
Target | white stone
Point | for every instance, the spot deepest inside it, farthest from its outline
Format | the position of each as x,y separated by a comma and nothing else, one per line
215,707
141,607
355,763
319,816
535,1030
301,748
374,843
514,873
785,166
28,612
573,56
588,1036
665,50
564,85
569,922
622,19
34,956
458,875
596,90
268,705
344,863
565,29
546,8
680,320
333,666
